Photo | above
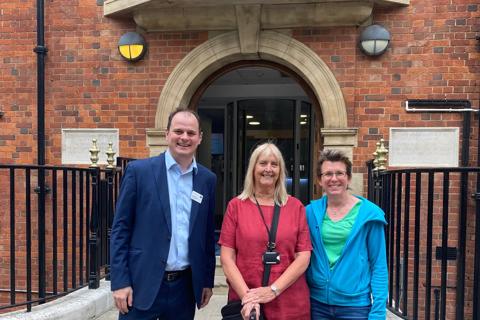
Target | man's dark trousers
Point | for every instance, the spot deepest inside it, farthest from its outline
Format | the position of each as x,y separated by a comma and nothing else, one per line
174,301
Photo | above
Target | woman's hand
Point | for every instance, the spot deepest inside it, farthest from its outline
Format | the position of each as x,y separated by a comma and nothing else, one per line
259,295
247,309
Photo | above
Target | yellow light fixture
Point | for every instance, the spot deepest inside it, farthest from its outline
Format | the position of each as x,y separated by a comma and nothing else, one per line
132,46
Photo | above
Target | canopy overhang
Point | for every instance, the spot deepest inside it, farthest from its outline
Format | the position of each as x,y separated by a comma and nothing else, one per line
224,15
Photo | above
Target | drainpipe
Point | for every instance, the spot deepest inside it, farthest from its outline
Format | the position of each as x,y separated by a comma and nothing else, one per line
41,52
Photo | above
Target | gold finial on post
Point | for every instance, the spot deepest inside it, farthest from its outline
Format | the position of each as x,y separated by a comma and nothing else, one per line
110,156
94,154
380,155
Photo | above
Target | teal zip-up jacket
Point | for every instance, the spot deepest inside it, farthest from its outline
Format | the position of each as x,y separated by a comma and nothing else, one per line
360,276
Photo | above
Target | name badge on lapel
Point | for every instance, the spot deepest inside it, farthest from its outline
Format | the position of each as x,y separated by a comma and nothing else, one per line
197,197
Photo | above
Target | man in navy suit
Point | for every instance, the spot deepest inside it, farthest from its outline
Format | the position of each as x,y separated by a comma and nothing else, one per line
162,241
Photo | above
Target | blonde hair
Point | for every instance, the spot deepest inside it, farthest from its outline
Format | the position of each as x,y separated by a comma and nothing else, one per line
267,148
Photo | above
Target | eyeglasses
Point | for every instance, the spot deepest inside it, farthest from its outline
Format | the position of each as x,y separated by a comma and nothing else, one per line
338,174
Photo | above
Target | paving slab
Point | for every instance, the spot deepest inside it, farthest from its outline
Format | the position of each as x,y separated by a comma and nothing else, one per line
82,304
211,311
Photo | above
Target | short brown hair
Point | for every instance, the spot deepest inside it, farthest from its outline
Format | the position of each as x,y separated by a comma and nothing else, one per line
334,155
182,109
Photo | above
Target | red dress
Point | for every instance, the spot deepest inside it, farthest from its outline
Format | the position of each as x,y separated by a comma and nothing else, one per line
244,231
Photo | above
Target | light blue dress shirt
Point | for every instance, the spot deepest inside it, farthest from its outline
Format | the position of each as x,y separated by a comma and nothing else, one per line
180,187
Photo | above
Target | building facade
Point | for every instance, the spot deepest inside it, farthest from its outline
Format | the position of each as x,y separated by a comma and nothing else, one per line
250,56
288,71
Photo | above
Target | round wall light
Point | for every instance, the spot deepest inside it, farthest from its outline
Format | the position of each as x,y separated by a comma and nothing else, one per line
132,46
374,40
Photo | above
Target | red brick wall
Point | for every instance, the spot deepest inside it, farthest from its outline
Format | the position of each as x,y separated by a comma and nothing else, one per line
87,84
17,81
433,55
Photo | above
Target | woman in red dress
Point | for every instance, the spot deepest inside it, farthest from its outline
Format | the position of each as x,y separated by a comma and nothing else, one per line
244,236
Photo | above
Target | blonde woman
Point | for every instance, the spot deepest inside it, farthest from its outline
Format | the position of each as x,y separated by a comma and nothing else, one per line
245,234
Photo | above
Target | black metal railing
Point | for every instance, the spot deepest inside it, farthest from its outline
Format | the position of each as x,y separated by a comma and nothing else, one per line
121,166
51,248
433,240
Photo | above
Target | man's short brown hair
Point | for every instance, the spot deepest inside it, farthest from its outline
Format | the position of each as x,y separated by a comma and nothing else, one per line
182,109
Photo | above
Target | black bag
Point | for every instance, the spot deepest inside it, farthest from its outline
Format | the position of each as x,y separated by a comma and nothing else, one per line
233,309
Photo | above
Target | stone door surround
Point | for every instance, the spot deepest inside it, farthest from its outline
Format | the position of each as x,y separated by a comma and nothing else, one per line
273,46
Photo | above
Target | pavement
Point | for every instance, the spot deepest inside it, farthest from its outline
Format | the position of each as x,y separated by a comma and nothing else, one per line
210,312
83,304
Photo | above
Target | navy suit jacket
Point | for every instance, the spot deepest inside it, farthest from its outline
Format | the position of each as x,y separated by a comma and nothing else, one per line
142,229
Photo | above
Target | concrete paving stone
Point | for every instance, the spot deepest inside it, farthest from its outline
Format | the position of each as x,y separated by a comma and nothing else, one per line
82,304
210,312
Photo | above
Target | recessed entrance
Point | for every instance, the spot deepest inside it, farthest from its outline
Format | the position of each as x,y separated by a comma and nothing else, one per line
247,106
189,81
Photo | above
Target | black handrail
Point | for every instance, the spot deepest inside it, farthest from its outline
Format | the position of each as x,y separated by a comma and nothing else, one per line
426,262
76,215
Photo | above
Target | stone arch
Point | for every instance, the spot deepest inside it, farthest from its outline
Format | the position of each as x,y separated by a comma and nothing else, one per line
224,49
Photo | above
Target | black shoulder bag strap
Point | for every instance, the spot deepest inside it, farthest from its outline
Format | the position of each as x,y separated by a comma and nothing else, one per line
271,243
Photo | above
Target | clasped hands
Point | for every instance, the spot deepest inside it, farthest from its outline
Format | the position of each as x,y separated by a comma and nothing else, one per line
253,298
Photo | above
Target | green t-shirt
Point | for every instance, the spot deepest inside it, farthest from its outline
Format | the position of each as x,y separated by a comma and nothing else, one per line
335,233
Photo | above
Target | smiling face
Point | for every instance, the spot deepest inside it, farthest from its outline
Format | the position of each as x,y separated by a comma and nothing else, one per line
267,170
183,137
334,179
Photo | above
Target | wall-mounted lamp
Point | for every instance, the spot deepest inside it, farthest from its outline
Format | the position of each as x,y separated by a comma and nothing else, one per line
132,46
374,40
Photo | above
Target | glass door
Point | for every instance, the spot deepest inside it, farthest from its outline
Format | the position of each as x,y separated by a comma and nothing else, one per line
261,120
233,131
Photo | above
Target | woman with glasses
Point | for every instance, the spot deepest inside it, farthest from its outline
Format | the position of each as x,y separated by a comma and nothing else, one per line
347,275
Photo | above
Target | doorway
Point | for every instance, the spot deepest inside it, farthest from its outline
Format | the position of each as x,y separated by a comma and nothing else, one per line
248,106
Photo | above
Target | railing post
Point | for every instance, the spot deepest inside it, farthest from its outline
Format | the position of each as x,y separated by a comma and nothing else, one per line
377,188
111,170
436,294
110,203
379,163
41,234
94,268
370,191
476,268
